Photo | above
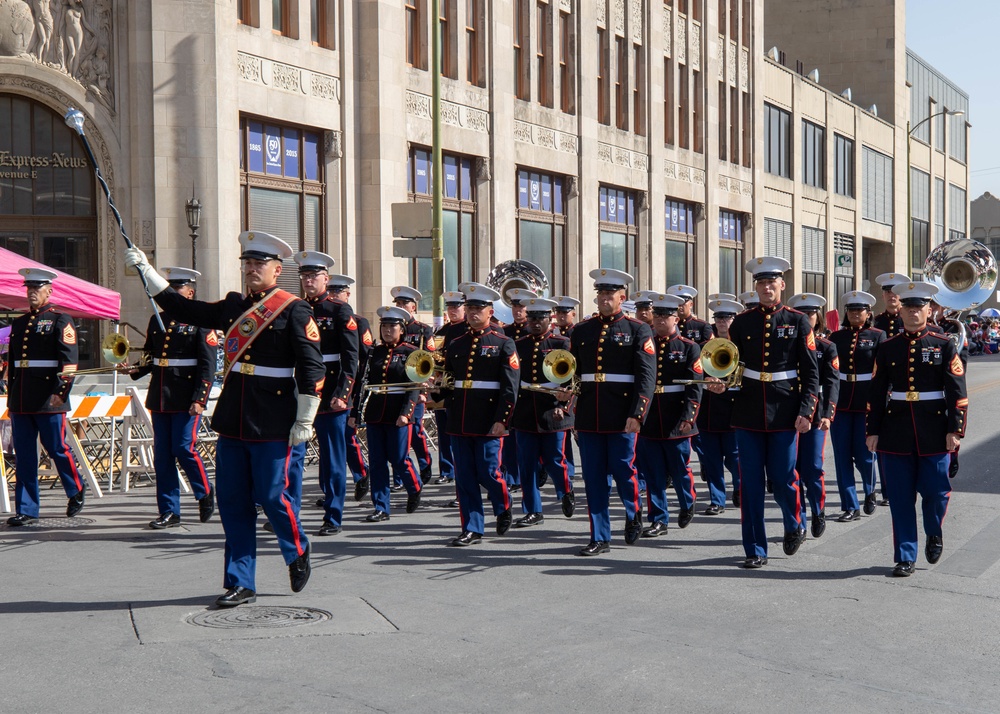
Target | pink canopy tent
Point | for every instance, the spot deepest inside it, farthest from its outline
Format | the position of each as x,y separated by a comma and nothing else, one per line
73,296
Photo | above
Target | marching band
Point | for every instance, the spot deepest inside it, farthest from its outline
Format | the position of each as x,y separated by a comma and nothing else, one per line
754,393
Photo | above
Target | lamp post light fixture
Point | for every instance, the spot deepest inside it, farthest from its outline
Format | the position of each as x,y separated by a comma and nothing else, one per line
193,210
909,181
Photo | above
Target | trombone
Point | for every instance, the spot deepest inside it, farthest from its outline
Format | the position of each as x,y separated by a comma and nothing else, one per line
558,367
720,358
114,349
421,365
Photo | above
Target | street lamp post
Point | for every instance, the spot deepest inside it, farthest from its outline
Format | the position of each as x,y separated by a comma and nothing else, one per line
909,181
193,210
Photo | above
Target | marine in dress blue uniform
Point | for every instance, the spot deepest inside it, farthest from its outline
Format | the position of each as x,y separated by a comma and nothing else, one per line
486,371
812,444
266,409
857,343
420,335
517,329
340,344
775,404
750,299
182,364
454,305
565,318
690,327
642,304
664,445
715,431
542,420
915,428
387,416
616,362
42,345
890,321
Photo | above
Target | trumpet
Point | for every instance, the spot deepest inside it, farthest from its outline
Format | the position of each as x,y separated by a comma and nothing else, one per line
558,367
114,349
720,358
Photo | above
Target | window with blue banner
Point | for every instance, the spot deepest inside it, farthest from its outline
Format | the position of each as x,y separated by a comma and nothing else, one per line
282,186
731,252
541,224
458,219
618,229
679,231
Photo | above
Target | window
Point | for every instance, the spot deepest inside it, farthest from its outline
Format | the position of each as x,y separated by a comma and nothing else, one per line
543,53
698,115
603,59
567,65
541,224
813,260
621,82
668,102
921,245
843,149
920,194
777,141
957,205
695,9
723,9
447,49
747,9
414,36
248,12
473,65
813,155
683,107
522,45
322,14
283,187
778,239
679,232
618,229
939,210
638,100
730,252
682,6
285,18
723,116
745,123
734,126
876,176
843,264
459,214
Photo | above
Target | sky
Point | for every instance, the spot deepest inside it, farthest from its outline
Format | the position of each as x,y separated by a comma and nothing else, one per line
958,38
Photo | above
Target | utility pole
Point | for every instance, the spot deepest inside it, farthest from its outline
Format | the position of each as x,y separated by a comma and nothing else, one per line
437,239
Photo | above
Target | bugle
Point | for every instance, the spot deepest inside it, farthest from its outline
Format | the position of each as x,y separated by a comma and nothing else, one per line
114,349
558,367
720,358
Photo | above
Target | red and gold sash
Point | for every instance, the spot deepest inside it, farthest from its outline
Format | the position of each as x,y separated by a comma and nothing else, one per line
251,323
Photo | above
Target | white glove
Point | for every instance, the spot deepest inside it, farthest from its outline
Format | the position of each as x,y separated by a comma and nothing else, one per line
135,258
305,415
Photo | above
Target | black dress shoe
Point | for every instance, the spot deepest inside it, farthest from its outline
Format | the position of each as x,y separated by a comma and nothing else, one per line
441,479
503,522
737,499
75,503
769,486
754,563
595,547
454,504
532,519
268,526
684,517
633,529
328,529
236,596
20,520
793,539
884,501
514,488
543,478
425,475
657,529
818,526
467,538
206,506
299,571
321,502
670,481
869,506
848,516
260,509
361,488
569,504
933,549
714,510
412,502
165,520
377,517
396,487
903,569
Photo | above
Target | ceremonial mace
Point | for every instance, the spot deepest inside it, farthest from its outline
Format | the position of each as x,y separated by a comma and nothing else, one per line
74,120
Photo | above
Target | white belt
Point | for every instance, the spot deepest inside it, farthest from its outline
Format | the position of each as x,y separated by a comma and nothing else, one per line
669,388
770,376
331,358
547,385
163,362
475,384
605,377
915,396
257,371
855,377
26,363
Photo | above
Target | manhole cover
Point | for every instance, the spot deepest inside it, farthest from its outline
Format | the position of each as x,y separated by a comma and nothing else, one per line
259,616
74,522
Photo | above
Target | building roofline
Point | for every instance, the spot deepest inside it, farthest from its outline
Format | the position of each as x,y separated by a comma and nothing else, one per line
938,72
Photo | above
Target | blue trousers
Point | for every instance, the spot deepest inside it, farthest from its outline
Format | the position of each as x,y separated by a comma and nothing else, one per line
389,445
664,457
809,464
332,440
604,455
446,466
903,478
718,453
764,455
419,441
174,437
550,448
849,452
355,457
477,463
508,460
249,472
27,429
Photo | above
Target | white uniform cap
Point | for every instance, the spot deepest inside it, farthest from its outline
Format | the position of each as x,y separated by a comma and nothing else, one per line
340,282
767,267
887,280
644,296
684,291
37,276
263,246
721,308
806,301
667,304
453,297
857,298
915,293
390,313
179,276
750,297
311,261
608,279
722,296
520,295
539,305
405,292
479,294
565,302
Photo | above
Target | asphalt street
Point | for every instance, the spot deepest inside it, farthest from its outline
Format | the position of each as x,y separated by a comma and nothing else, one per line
102,614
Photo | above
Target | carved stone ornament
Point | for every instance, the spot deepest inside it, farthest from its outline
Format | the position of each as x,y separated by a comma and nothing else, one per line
696,46
75,37
572,187
418,104
669,169
566,6
682,40
285,76
636,20
522,131
568,143
483,169
602,12
604,152
720,57
619,17
642,200
333,144
744,69
668,30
